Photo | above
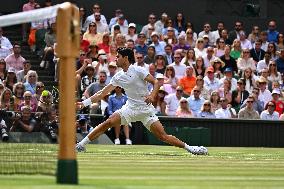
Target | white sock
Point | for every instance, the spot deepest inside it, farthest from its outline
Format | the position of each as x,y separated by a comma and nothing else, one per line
188,148
85,141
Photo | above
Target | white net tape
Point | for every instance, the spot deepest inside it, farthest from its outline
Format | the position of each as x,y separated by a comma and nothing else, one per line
29,16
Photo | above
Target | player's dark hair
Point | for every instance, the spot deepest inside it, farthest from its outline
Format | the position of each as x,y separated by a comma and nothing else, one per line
127,52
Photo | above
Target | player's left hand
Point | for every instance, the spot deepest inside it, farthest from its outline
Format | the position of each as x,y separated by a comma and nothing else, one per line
149,99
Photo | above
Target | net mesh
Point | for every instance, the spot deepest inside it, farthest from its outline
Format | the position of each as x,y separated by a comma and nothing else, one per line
17,158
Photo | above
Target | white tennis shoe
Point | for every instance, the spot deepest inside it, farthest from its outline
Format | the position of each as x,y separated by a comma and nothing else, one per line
198,150
80,148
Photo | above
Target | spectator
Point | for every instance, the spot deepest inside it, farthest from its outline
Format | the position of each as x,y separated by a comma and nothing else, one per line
200,50
209,57
114,20
169,23
39,89
215,101
272,33
171,81
101,64
235,34
199,67
280,62
95,87
28,101
257,104
245,61
160,63
93,53
112,54
21,75
254,35
228,74
18,95
218,33
188,81
195,101
225,112
269,113
3,71
203,91
105,44
25,123
25,27
263,38
189,38
120,22
6,47
181,44
279,104
30,84
169,54
220,47
83,17
141,47
236,49
272,49
15,60
225,91
140,61
119,40
189,59
131,32
82,125
280,42
116,31
248,112
211,83
101,26
218,64
151,23
257,53
159,103
115,102
245,43
88,79
91,18
160,24
179,23
264,93
6,100
225,36
112,68
263,63
206,110
45,103
207,31
159,45
172,101
281,117
183,109
239,95
273,74
91,34
249,78
11,79
180,69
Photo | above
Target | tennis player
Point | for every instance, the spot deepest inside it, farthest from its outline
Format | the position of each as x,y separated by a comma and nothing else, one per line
133,79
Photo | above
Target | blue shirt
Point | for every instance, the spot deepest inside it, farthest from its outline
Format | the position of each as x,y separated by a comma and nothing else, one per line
159,47
141,49
30,87
272,36
280,65
116,102
195,104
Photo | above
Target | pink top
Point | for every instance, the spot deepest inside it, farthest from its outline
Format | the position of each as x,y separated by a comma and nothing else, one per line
16,63
29,6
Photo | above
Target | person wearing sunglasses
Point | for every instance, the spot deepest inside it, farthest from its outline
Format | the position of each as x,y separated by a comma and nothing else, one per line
248,112
269,113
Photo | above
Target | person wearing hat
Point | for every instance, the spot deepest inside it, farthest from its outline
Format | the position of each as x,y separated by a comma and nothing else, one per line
114,20
159,103
82,125
131,32
188,81
211,83
88,79
217,64
112,69
141,46
279,103
228,74
45,103
264,93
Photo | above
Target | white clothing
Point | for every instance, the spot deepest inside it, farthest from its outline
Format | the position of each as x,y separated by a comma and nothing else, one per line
207,61
265,115
243,64
102,27
199,53
233,83
261,65
172,104
179,69
91,19
246,44
123,29
211,37
145,66
224,113
135,109
265,96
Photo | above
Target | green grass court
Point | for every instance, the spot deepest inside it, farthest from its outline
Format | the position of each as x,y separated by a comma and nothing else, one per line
155,167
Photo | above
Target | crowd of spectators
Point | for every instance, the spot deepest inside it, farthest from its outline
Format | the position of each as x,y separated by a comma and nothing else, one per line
205,74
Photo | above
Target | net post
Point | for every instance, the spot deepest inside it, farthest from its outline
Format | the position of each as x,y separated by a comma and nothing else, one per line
68,34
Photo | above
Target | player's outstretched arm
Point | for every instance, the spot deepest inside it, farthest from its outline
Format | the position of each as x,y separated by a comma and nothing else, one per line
96,97
149,99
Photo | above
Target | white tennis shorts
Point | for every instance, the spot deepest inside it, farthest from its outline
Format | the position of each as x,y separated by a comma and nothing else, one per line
132,113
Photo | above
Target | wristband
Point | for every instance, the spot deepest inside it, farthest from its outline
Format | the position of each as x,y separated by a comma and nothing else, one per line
87,102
